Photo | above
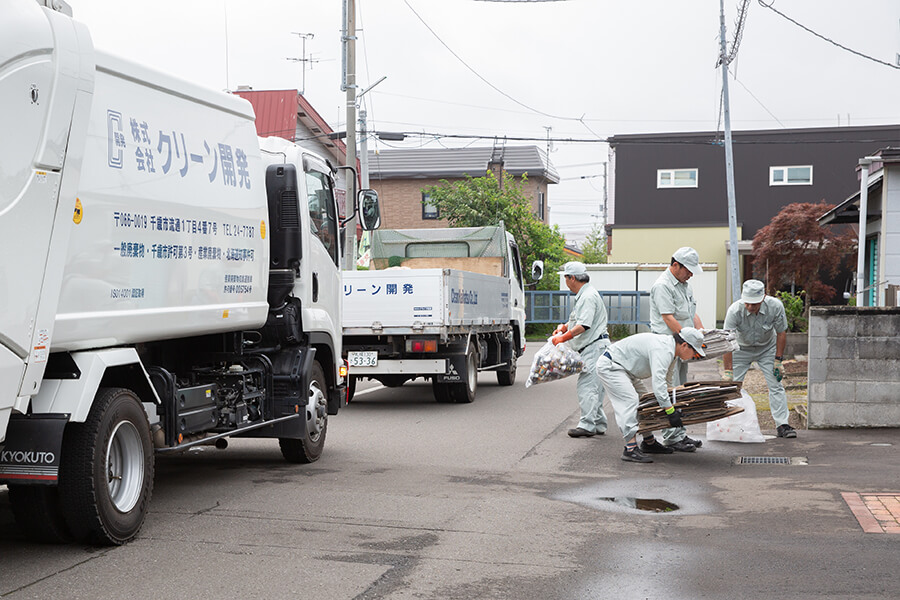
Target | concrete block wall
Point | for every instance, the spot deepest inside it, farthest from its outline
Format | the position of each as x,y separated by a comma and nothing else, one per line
854,367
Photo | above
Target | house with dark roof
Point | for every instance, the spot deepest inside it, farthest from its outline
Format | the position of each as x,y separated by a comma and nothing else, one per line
401,176
668,190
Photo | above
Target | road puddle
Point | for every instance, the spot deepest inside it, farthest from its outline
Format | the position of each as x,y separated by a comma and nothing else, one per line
655,505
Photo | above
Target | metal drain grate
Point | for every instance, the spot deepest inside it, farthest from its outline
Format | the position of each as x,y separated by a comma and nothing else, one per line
764,460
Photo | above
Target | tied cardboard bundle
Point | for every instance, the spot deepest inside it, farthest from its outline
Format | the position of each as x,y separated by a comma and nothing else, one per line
699,402
717,342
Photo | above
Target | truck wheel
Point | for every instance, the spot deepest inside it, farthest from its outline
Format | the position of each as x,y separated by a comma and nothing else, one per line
464,393
441,391
106,473
507,376
309,448
38,512
351,387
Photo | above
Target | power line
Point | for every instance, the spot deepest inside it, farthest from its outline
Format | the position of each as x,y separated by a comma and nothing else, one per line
477,74
771,6
752,95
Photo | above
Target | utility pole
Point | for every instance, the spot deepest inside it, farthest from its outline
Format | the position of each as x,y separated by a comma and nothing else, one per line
349,54
729,164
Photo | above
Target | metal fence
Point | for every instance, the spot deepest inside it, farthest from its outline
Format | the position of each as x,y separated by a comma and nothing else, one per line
623,308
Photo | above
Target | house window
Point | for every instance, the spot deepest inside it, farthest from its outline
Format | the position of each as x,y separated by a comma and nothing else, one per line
676,178
796,175
429,210
541,206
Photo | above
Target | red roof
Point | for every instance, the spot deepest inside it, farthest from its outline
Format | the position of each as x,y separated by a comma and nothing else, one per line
276,112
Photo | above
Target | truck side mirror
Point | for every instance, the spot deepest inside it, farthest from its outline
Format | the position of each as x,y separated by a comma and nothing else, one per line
537,270
369,211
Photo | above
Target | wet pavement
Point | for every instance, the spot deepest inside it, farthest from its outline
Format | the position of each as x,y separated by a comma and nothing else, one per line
413,499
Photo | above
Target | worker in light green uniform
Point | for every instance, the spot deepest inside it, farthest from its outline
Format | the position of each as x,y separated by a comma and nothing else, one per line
760,325
644,355
586,329
672,306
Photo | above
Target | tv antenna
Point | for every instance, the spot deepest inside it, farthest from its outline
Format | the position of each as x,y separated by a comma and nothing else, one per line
303,59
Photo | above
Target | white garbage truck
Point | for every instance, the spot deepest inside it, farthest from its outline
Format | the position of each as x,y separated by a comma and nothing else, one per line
441,304
170,279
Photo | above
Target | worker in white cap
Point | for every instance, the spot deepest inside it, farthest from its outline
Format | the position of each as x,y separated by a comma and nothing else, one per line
672,307
586,329
624,364
760,325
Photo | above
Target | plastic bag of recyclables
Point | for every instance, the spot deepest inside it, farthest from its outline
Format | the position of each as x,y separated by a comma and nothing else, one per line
554,362
742,427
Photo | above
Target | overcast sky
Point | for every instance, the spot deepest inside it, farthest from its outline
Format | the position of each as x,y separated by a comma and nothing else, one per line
520,67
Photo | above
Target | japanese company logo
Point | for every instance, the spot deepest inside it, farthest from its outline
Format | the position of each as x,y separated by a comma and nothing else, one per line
115,139
463,297
30,457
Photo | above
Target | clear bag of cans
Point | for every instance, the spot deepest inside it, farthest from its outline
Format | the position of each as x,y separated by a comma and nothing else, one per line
554,362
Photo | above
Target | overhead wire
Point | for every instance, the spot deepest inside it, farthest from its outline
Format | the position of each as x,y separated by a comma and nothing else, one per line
491,85
771,6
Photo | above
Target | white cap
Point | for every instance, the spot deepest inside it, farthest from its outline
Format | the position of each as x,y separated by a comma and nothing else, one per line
753,291
574,268
688,257
694,338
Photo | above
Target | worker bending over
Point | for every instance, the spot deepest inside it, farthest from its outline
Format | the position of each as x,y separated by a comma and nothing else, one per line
625,363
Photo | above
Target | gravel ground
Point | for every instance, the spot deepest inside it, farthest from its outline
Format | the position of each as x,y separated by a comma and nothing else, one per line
795,386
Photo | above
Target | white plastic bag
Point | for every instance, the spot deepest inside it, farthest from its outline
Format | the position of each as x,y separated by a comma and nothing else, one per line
742,427
554,362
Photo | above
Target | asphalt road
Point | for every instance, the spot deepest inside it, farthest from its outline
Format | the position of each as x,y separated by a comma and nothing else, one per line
414,499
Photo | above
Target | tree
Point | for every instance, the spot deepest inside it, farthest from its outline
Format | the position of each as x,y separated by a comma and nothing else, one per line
594,247
481,201
793,249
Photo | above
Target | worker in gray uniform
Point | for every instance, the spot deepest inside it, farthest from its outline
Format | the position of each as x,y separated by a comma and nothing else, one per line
760,324
672,307
622,366
586,329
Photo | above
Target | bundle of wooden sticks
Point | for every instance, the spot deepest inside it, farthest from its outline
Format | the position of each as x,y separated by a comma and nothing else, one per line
699,402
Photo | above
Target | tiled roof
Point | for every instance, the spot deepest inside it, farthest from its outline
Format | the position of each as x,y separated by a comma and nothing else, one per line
427,163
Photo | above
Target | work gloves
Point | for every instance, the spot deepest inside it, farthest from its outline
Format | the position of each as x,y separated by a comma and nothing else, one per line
729,375
561,329
562,337
674,417
778,370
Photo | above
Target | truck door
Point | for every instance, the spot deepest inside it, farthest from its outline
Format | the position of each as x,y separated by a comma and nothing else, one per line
325,252
517,289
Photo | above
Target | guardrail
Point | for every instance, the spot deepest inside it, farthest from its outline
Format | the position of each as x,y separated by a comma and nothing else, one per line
623,308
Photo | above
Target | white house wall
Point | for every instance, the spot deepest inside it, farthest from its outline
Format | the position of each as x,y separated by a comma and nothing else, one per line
890,230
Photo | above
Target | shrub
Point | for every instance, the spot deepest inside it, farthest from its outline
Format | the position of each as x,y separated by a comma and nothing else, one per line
794,310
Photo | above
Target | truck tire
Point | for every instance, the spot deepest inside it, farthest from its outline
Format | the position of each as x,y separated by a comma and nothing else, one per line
464,393
351,387
308,448
507,376
441,391
38,513
106,471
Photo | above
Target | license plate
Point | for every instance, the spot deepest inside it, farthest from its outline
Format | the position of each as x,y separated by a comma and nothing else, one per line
362,359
